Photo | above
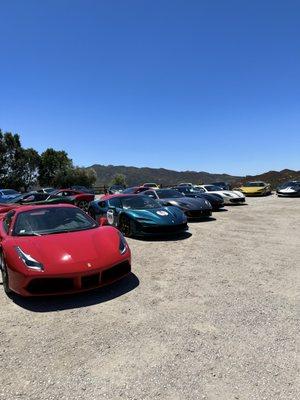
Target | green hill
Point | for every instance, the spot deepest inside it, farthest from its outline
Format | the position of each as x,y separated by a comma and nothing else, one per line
136,176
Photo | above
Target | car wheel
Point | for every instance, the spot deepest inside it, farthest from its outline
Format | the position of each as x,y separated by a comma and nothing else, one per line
84,205
126,226
4,274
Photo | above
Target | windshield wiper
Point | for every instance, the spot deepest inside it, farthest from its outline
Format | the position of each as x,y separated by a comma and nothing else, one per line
71,230
29,234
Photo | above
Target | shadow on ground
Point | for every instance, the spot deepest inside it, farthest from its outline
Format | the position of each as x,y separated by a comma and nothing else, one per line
67,302
165,238
197,220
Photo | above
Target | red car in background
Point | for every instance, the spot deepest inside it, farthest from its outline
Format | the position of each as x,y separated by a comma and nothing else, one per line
135,190
58,249
79,199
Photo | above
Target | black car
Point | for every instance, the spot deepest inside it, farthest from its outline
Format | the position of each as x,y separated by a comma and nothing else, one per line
289,189
38,198
29,197
193,208
215,200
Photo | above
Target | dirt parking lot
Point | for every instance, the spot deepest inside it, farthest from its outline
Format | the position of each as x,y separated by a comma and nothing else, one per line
211,316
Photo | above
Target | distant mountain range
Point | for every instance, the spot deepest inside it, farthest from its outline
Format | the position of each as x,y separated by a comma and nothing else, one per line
275,178
136,176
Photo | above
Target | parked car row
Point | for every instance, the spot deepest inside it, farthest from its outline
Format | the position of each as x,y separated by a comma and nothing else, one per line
148,210
66,241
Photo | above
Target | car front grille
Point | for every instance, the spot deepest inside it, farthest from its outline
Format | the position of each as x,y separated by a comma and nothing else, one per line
90,281
115,272
198,213
50,285
44,286
238,200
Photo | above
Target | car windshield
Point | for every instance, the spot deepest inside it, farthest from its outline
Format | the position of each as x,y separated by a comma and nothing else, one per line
45,221
212,188
291,184
139,203
9,192
168,194
254,184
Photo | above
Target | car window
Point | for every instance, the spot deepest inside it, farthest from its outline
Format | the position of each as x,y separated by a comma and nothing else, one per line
115,202
150,193
7,220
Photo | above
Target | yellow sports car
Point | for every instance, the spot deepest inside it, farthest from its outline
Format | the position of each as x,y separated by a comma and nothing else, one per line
256,188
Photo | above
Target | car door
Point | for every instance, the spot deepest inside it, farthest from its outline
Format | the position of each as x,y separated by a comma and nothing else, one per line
114,209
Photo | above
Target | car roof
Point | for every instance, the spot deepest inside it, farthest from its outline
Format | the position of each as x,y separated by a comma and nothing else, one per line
111,196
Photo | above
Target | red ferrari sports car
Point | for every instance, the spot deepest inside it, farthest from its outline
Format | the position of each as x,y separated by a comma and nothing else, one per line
58,249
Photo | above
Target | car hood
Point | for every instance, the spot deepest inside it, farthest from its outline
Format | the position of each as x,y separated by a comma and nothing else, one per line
228,193
161,216
289,189
211,197
252,189
188,203
72,252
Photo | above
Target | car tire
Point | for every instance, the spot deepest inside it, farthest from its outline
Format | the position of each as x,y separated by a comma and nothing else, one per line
5,282
126,226
84,205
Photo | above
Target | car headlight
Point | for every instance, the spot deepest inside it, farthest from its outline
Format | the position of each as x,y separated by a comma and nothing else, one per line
29,261
207,203
122,244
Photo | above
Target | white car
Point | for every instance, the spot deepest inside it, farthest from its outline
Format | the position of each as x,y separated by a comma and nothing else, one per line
229,196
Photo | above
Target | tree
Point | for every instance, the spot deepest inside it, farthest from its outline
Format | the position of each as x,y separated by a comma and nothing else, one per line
75,176
30,167
19,166
52,164
119,179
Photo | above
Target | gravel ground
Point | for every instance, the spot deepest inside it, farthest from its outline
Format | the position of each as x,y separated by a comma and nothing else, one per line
211,316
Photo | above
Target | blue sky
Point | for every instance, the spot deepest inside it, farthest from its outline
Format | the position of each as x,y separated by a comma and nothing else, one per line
187,85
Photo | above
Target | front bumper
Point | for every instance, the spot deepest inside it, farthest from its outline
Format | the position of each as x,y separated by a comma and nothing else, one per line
68,283
237,200
198,213
295,194
254,194
160,230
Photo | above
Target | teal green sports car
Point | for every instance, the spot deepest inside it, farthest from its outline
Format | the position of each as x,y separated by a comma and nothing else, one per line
136,215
